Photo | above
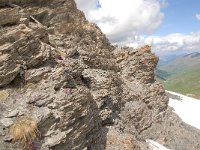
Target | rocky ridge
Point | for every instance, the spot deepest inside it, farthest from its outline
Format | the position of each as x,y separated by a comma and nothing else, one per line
83,92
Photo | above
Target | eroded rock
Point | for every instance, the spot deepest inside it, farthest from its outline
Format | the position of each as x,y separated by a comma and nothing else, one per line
84,93
9,16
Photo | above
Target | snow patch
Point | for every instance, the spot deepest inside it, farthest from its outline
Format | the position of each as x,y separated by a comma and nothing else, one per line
156,146
188,109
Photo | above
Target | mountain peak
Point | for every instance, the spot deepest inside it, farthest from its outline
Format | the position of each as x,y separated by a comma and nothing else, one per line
193,55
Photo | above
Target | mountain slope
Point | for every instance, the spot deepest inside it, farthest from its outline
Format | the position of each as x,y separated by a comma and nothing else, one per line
181,75
181,64
161,75
187,83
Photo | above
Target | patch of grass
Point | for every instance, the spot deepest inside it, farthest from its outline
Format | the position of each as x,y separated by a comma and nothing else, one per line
30,85
24,131
187,83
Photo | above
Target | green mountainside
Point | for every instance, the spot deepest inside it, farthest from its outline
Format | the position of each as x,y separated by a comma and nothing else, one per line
182,75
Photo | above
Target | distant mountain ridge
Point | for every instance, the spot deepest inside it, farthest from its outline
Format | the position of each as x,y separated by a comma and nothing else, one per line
181,74
193,55
182,64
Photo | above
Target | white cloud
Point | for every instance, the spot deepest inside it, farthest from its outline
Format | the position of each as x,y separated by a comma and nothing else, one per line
175,42
164,3
170,43
121,20
198,16
87,6
125,22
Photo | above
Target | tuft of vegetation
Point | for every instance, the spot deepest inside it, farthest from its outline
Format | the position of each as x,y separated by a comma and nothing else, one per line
24,131
30,85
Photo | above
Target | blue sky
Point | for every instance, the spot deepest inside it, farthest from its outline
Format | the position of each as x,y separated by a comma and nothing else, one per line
179,17
169,26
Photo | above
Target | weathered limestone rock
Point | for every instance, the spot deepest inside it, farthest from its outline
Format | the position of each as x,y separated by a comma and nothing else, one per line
9,16
84,93
27,50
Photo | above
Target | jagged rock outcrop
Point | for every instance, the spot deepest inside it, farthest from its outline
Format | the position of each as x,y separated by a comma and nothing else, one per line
84,93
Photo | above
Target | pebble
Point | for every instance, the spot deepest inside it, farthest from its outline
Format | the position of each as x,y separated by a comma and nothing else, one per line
7,139
12,114
6,122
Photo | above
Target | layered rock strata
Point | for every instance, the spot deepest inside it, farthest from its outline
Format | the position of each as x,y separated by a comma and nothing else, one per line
84,93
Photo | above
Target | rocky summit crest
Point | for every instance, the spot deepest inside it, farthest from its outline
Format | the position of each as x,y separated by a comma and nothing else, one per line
79,91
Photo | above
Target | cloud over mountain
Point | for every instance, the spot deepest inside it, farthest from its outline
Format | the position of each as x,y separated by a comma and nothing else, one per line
174,42
121,20
128,22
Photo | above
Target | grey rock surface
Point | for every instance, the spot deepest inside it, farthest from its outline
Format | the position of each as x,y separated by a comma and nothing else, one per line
84,93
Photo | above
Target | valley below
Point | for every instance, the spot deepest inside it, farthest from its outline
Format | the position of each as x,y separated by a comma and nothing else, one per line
181,74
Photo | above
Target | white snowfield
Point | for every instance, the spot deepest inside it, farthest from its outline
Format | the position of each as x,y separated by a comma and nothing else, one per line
156,146
187,108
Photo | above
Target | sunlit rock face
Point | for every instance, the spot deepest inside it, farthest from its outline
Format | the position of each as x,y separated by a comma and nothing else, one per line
84,93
